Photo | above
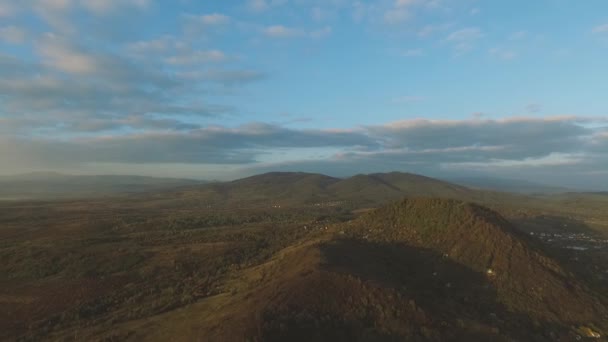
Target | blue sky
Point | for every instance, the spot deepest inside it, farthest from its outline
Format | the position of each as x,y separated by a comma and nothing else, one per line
223,89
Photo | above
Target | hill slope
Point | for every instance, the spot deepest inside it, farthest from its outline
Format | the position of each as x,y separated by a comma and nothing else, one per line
508,185
417,270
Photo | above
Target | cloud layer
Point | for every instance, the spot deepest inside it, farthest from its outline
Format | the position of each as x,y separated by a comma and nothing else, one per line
554,145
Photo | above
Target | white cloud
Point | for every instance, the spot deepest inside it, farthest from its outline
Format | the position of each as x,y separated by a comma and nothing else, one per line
395,16
198,57
399,12
429,30
158,45
57,5
213,19
320,33
280,31
413,53
519,35
601,29
59,54
465,35
106,6
503,53
264,5
258,5
318,14
464,40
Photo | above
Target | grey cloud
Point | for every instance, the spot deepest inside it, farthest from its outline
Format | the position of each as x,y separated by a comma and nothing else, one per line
563,147
224,77
517,138
210,145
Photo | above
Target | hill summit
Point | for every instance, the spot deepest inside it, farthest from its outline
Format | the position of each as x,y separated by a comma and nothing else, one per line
524,278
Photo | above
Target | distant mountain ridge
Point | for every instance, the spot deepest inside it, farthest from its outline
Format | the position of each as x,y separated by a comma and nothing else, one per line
280,187
51,185
310,188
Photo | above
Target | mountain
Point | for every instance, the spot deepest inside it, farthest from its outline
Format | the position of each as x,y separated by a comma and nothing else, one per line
508,185
416,270
291,188
397,185
49,185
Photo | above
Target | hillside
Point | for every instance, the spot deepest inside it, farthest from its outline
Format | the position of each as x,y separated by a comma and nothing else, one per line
416,270
508,185
166,267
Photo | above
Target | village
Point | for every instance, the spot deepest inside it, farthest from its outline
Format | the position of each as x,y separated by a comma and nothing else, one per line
574,241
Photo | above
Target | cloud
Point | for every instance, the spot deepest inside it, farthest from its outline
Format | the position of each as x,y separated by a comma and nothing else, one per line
106,6
60,54
558,150
224,77
600,29
198,57
400,11
429,30
413,53
464,40
503,53
258,5
280,31
519,35
263,5
318,14
391,12
214,19
211,145
204,23
428,146
93,6
396,15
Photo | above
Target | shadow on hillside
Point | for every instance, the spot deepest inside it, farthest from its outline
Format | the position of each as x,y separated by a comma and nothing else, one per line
453,295
436,299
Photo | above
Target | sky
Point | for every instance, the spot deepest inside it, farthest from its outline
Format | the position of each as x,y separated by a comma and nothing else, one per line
226,89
